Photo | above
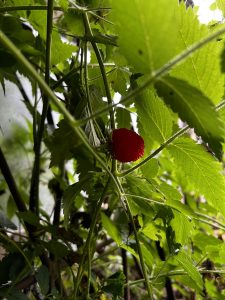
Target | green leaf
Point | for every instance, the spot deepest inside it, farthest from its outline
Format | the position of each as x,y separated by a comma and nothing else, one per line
119,80
29,217
60,50
153,232
185,261
139,187
123,118
114,285
194,108
16,295
169,192
62,143
43,279
154,118
70,195
111,229
182,227
202,69
201,170
57,248
147,32
150,169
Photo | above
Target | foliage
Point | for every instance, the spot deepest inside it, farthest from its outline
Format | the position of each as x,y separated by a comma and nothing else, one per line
149,229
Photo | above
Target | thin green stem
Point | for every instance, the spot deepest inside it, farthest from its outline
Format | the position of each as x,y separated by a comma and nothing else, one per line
222,226
34,189
162,71
89,240
44,7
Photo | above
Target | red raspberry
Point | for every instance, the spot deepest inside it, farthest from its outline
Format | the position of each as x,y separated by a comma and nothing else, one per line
127,145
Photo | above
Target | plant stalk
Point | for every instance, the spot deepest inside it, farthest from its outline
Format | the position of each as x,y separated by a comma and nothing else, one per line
34,189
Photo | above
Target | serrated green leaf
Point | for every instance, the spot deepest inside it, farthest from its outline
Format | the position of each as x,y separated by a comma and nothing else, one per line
202,69
154,118
182,227
185,261
194,108
169,192
139,187
62,143
144,39
111,229
60,50
150,169
123,118
119,80
152,232
201,170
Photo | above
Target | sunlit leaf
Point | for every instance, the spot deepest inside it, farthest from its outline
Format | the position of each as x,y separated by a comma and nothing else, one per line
201,170
194,108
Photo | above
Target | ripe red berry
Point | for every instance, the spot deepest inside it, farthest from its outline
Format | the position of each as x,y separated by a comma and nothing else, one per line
127,145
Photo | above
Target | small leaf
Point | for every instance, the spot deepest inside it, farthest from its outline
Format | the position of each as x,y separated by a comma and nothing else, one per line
43,279
123,118
119,80
185,261
111,229
57,248
70,195
114,285
62,143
